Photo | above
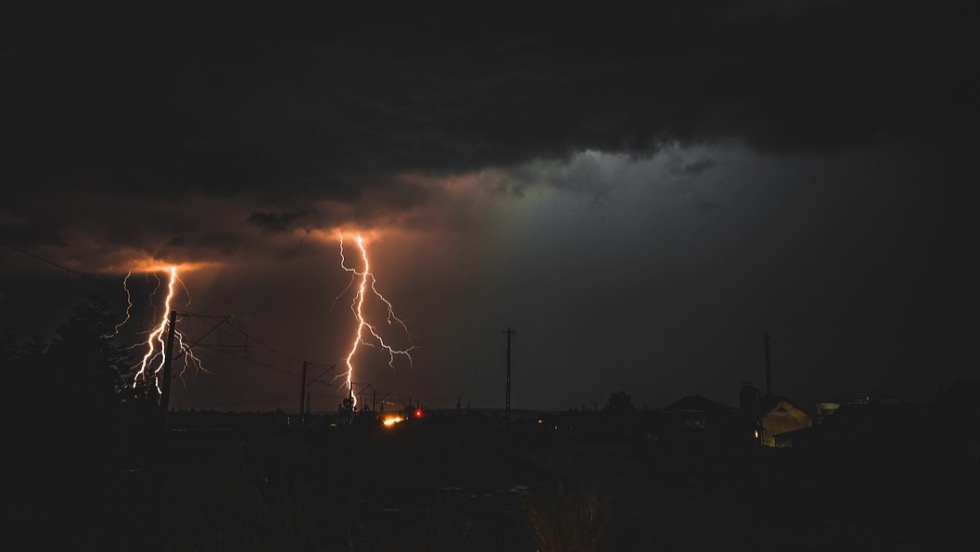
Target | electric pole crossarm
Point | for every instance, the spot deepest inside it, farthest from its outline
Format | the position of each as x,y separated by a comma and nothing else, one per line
319,379
186,348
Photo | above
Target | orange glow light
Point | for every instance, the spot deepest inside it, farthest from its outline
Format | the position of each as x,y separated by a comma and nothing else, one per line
390,421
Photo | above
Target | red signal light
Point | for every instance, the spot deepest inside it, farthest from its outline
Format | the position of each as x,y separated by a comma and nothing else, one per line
418,412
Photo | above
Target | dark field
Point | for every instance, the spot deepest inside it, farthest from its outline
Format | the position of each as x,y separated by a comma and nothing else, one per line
453,485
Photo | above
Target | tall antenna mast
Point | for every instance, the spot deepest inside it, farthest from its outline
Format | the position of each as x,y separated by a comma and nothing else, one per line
509,333
768,369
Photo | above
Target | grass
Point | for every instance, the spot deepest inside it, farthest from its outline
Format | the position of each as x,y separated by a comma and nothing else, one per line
569,520
315,493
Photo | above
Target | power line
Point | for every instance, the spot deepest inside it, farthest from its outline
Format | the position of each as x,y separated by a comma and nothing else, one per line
59,266
224,321
255,361
31,295
101,282
236,404
277,351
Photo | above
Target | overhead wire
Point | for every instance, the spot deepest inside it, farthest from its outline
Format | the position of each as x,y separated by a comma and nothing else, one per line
224,320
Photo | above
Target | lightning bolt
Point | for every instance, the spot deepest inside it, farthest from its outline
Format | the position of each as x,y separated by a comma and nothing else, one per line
366,330
129,308
156,354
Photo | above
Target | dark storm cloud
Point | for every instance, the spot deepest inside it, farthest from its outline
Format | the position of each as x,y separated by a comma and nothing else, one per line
695,168
176,97
277,222
657,184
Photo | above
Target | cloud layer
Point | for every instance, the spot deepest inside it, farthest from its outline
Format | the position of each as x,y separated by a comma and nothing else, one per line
640,189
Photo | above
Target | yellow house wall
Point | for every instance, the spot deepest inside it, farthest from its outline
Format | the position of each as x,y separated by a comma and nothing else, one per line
776,422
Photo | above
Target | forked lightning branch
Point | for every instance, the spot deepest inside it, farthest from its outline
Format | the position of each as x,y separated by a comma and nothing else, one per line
367,333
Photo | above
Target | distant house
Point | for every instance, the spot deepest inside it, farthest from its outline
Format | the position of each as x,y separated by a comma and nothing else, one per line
694,411
697,422
771,418
872,430
946,430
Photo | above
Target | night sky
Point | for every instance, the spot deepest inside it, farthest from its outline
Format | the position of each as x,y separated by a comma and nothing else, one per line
641,194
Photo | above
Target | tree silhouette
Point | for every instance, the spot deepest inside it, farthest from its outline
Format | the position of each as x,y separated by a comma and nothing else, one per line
619,413
24,370
78,385
619,405
86,368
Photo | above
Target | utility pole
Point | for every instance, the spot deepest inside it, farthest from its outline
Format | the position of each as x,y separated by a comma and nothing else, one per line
509,333
167,369
768,370
374,400
350,402
302,399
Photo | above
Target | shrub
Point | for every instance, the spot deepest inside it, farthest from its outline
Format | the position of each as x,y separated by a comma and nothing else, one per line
569,521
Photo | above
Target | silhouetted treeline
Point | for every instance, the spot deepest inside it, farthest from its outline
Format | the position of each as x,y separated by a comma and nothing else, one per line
77,388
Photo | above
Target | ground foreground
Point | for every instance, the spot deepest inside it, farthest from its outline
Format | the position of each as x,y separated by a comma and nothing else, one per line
450,485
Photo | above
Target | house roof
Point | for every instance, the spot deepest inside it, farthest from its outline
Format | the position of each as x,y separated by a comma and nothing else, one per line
765,405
